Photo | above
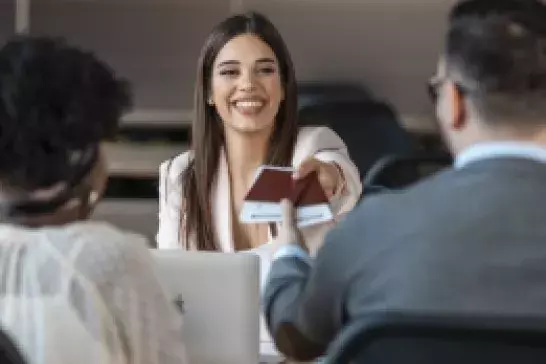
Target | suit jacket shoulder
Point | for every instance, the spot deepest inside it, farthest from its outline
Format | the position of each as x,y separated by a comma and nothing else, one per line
443,212
363,232
170,199
172,169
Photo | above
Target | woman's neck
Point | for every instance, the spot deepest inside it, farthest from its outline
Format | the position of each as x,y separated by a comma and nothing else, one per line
245,153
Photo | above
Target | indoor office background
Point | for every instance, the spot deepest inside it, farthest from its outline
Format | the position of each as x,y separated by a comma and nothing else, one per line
389,46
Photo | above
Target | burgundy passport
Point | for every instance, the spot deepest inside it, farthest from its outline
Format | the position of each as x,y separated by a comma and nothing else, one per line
274,184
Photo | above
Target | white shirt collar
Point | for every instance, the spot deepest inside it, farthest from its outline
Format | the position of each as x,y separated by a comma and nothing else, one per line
510,149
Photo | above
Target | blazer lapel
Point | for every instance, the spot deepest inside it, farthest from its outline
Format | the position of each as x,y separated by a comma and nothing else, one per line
221,206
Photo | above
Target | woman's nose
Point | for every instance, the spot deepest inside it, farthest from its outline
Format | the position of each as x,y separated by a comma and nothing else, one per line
247,81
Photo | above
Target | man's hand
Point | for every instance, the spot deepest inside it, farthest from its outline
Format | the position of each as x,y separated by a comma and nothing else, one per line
329,175
288,232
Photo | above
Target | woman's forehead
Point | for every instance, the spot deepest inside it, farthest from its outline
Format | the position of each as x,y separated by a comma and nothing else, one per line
245,48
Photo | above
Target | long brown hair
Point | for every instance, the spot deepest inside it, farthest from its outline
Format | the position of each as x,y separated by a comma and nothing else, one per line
207,129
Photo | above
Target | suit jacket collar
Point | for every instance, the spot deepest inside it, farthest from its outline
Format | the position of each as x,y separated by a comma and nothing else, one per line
221,207
501,150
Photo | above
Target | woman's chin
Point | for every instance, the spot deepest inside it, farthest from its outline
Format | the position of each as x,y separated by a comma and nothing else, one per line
252,127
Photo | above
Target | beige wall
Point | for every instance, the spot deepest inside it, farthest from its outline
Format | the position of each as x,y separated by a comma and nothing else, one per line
7,11
389,45
154,43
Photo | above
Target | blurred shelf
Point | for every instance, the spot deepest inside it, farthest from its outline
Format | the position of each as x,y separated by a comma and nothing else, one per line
139,160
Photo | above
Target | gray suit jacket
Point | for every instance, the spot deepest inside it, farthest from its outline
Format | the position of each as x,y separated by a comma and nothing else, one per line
463,241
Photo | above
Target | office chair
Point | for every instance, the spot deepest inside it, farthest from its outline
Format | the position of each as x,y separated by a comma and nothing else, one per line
395,172
370,129
9,353
314,93
447,339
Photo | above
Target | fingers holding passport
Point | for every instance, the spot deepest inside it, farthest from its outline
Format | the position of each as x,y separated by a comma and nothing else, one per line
288,213
289,232
327,174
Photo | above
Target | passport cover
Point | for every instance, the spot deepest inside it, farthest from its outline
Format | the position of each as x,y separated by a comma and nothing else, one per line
272,184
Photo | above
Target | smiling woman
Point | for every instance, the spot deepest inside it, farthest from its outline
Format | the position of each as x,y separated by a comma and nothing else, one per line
245,116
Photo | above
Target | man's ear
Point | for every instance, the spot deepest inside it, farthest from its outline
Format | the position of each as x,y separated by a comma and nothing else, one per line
458,106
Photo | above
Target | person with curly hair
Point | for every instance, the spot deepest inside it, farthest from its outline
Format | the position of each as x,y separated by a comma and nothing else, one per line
71,290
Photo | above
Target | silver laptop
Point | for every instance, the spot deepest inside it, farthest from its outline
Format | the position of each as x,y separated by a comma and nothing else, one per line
220,297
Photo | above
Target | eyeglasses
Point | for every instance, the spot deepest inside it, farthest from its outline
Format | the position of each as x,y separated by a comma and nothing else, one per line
433,88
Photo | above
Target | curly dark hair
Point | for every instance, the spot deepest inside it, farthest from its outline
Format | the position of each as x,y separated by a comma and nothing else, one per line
56,101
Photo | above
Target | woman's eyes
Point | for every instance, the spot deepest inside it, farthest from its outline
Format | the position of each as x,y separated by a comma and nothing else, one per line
267,70
229,72
236,72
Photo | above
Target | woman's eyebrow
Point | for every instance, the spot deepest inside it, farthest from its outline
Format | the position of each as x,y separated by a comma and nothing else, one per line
227,63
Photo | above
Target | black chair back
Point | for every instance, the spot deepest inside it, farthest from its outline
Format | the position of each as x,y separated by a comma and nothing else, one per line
320,93
9,353
370,129
397,172
414,339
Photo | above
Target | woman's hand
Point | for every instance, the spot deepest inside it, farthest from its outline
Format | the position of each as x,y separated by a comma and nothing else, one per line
329,174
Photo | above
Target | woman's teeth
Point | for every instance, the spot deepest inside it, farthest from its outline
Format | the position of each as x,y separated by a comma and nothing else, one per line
249,107
249,104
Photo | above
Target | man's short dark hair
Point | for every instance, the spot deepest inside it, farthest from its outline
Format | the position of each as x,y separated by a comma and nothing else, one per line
497,48
56,102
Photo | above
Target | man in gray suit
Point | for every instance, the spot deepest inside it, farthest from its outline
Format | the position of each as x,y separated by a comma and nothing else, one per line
471,239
